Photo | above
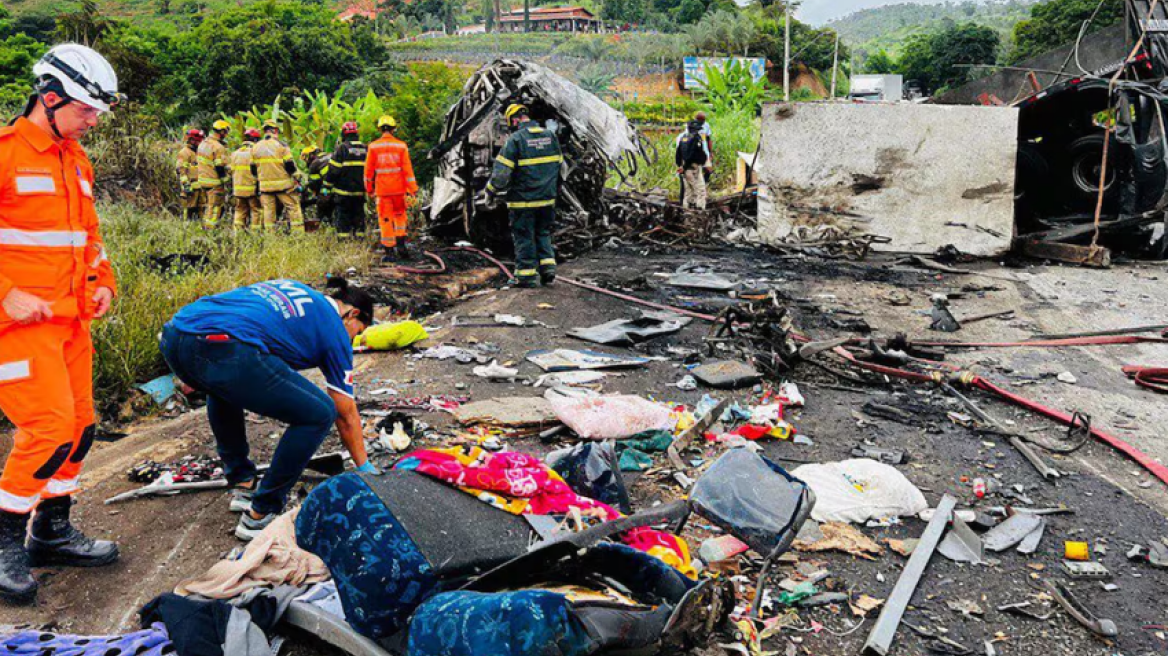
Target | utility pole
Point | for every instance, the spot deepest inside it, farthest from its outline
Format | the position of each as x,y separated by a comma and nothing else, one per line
526,15
834,66
787,52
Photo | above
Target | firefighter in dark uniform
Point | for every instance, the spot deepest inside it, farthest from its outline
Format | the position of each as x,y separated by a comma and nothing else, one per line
527,173
316,191
346,178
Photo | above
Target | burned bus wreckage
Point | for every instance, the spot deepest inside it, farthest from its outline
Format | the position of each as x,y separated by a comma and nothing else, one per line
597,141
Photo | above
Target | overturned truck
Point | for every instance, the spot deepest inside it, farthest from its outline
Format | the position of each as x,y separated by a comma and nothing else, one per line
596,139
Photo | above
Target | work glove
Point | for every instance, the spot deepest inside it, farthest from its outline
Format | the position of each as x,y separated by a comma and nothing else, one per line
368,468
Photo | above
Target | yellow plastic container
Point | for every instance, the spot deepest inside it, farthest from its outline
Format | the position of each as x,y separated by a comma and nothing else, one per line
1076,551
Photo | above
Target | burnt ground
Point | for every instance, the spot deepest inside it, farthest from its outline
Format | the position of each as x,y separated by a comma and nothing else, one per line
164,540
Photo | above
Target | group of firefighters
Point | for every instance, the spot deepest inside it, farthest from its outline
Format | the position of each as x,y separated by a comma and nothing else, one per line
263,178
242,348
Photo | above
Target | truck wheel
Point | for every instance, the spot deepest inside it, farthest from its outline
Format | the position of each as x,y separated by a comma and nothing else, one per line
1086,158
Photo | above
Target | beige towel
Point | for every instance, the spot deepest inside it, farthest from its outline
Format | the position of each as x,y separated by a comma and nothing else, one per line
271,559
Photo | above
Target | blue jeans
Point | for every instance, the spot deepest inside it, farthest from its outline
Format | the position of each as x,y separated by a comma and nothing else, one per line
237,377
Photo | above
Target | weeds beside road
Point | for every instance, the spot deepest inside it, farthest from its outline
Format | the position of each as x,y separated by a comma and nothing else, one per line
149,293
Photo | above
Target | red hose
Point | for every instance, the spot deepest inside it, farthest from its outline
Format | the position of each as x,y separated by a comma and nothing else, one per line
1053,343
1153,378
483,254
425,272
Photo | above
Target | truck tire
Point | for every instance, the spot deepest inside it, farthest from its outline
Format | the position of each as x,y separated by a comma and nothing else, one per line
1085,157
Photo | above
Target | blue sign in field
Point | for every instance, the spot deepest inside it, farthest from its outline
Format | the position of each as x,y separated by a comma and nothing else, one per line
695,68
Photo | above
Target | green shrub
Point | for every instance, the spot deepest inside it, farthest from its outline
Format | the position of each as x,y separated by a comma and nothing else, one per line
127,341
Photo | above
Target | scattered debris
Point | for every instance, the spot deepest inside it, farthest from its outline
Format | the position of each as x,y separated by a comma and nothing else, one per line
726,374
1011,532
560,360
859,490
626,332
839,536
1075,608
962,545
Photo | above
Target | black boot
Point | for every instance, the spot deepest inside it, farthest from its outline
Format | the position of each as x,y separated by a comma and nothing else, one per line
16,583
55,541
547,275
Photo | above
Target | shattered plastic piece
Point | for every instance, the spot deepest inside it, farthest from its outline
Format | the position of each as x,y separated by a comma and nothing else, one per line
727,374
1030,543
160,389
838,536
723,547
1011,532
573,360
626,332
510,320
611,417
858,490
1076,550
570,378
495,370
397,441
790,395
1089,570
961,544
943,319
801,592
1068,378
687,384
709,281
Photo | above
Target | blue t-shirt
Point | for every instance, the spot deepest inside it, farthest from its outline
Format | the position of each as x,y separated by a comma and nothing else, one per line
285,318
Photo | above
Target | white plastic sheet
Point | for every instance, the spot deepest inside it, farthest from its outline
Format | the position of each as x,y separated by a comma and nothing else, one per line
859,490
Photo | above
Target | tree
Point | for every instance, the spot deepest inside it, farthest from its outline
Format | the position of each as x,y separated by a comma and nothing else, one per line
940,60
880,63
247,56
17,55
690,11
625,11
1057,22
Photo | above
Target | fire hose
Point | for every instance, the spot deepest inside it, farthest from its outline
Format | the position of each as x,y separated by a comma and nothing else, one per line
1153,378
442,263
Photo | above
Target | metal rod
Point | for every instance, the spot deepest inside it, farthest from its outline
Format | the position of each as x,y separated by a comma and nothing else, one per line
880,639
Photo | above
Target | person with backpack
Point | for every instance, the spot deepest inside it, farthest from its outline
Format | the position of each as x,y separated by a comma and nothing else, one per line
691,158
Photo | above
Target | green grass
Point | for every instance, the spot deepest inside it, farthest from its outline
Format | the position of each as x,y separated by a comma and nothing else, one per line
733,133
127,341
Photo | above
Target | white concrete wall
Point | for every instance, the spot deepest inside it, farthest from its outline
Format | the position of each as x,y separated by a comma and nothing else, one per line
926,166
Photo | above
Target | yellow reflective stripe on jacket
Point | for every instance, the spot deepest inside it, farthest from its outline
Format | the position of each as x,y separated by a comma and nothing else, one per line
241,167
531,203
505,162
211,182
535,130
549,261
550,159
267,160
526,272
244,190
342,192
353,163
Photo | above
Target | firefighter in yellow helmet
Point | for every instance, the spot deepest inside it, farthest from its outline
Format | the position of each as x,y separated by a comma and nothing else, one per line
193,198
274,166
213,174
243,183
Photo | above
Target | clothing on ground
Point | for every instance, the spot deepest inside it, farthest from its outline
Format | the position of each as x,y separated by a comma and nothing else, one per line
152,641
199,627
272,558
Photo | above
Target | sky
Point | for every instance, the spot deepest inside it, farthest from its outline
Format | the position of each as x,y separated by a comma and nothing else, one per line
818,12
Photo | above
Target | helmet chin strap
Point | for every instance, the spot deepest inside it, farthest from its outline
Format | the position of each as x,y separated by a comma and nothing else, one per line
51,114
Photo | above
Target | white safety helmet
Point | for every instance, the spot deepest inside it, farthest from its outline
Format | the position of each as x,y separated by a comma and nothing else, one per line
86,76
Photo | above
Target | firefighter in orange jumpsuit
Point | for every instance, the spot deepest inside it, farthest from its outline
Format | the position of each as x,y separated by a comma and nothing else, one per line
390,175
54,279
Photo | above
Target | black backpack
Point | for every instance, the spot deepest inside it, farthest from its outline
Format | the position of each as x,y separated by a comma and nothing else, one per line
692,149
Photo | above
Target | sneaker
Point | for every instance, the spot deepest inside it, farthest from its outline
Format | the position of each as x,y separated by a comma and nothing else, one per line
241,499
249,527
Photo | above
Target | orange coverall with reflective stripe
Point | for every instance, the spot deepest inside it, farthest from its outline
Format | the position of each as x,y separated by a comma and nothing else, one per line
49,247
390,175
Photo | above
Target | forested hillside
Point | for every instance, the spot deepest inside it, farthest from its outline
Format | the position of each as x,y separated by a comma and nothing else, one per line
888,28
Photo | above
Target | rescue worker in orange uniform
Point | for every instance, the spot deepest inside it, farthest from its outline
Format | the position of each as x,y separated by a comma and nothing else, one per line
390,175
213,175
54,280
